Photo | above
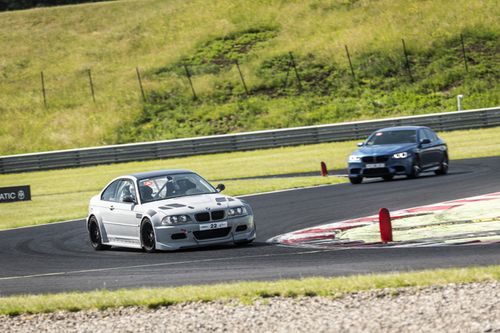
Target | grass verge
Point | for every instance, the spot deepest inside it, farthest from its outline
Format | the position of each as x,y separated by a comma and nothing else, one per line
243,291
112,38
74,187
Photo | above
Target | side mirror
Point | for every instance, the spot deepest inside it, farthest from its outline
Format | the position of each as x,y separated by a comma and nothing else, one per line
361,144
129,199
220,187
425,141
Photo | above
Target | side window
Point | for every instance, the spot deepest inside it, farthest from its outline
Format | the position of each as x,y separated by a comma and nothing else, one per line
125,188
423,135
109,193
431,135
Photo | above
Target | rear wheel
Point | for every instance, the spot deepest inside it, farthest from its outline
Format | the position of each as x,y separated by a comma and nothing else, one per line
148,237
356,180
388,178
443,168
95,235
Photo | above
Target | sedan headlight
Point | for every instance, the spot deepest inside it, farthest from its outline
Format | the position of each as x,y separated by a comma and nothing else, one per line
354,158
400,155
175,219
236,211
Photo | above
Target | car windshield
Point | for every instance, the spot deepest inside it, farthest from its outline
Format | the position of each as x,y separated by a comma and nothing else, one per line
392,137
171,186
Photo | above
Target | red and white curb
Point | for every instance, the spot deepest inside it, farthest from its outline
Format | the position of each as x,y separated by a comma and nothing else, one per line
327,235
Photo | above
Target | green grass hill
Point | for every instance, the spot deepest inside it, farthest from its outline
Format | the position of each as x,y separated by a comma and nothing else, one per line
161,37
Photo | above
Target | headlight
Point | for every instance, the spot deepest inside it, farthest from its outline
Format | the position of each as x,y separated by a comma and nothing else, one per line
354,158
400,155
236,211
175,219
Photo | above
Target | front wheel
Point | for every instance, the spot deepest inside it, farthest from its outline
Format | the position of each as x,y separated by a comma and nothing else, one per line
443,168
415,171
95,235
148,240
356,180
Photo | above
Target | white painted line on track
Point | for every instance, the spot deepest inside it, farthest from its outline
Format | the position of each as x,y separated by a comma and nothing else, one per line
43,224
163,264
286,190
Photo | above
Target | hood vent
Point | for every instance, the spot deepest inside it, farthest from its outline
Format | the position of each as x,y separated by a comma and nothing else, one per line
176,205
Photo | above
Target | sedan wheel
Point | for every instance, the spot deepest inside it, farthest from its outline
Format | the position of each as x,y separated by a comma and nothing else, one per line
443,169
356,180
148,237
95,236
415,171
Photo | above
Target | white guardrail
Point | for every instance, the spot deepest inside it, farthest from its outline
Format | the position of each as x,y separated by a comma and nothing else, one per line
242,141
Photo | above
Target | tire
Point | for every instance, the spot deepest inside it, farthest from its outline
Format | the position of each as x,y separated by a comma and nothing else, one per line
414,172
388,178
443,169
356,180
148,240
95,236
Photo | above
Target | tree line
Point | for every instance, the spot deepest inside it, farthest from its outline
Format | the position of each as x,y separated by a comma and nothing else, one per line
25,4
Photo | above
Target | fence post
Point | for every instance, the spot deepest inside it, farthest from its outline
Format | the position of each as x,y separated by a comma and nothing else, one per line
408,68
463,53
295,69
285,84
241,77
350,63
91,83
43,89
140,83
188,75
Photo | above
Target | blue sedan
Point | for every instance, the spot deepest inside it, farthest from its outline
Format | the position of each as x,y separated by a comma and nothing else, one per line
403,150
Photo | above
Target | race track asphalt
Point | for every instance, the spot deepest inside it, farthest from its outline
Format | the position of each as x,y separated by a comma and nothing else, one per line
57,257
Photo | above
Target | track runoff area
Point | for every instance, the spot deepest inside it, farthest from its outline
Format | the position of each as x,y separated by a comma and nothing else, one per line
470,220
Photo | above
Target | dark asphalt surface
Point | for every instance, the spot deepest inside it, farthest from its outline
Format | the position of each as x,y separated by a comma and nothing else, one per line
58,257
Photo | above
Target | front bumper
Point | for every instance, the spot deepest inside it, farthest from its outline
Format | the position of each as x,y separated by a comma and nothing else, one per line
390,168
239,229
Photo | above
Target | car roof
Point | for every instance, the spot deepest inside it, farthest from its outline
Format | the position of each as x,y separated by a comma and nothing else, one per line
156,173
402,128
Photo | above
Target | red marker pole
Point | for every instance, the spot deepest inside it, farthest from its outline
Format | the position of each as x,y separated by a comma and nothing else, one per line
324,170
385,225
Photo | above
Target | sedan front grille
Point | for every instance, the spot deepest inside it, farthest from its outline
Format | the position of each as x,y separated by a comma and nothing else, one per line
375,159
375,171
206,216
217,215
202,217
214,233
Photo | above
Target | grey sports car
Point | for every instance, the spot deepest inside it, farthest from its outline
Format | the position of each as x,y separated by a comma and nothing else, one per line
167,210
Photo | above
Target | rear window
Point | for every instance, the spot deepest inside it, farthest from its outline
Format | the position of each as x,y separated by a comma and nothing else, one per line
392,137
109,193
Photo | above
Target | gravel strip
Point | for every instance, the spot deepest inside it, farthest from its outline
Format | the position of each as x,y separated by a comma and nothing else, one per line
451,308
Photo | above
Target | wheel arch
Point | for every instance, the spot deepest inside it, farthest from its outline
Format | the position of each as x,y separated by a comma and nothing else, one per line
146,219
89,218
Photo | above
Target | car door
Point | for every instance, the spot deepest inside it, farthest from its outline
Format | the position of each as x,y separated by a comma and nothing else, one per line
123,214
425,150
107,206
436,151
